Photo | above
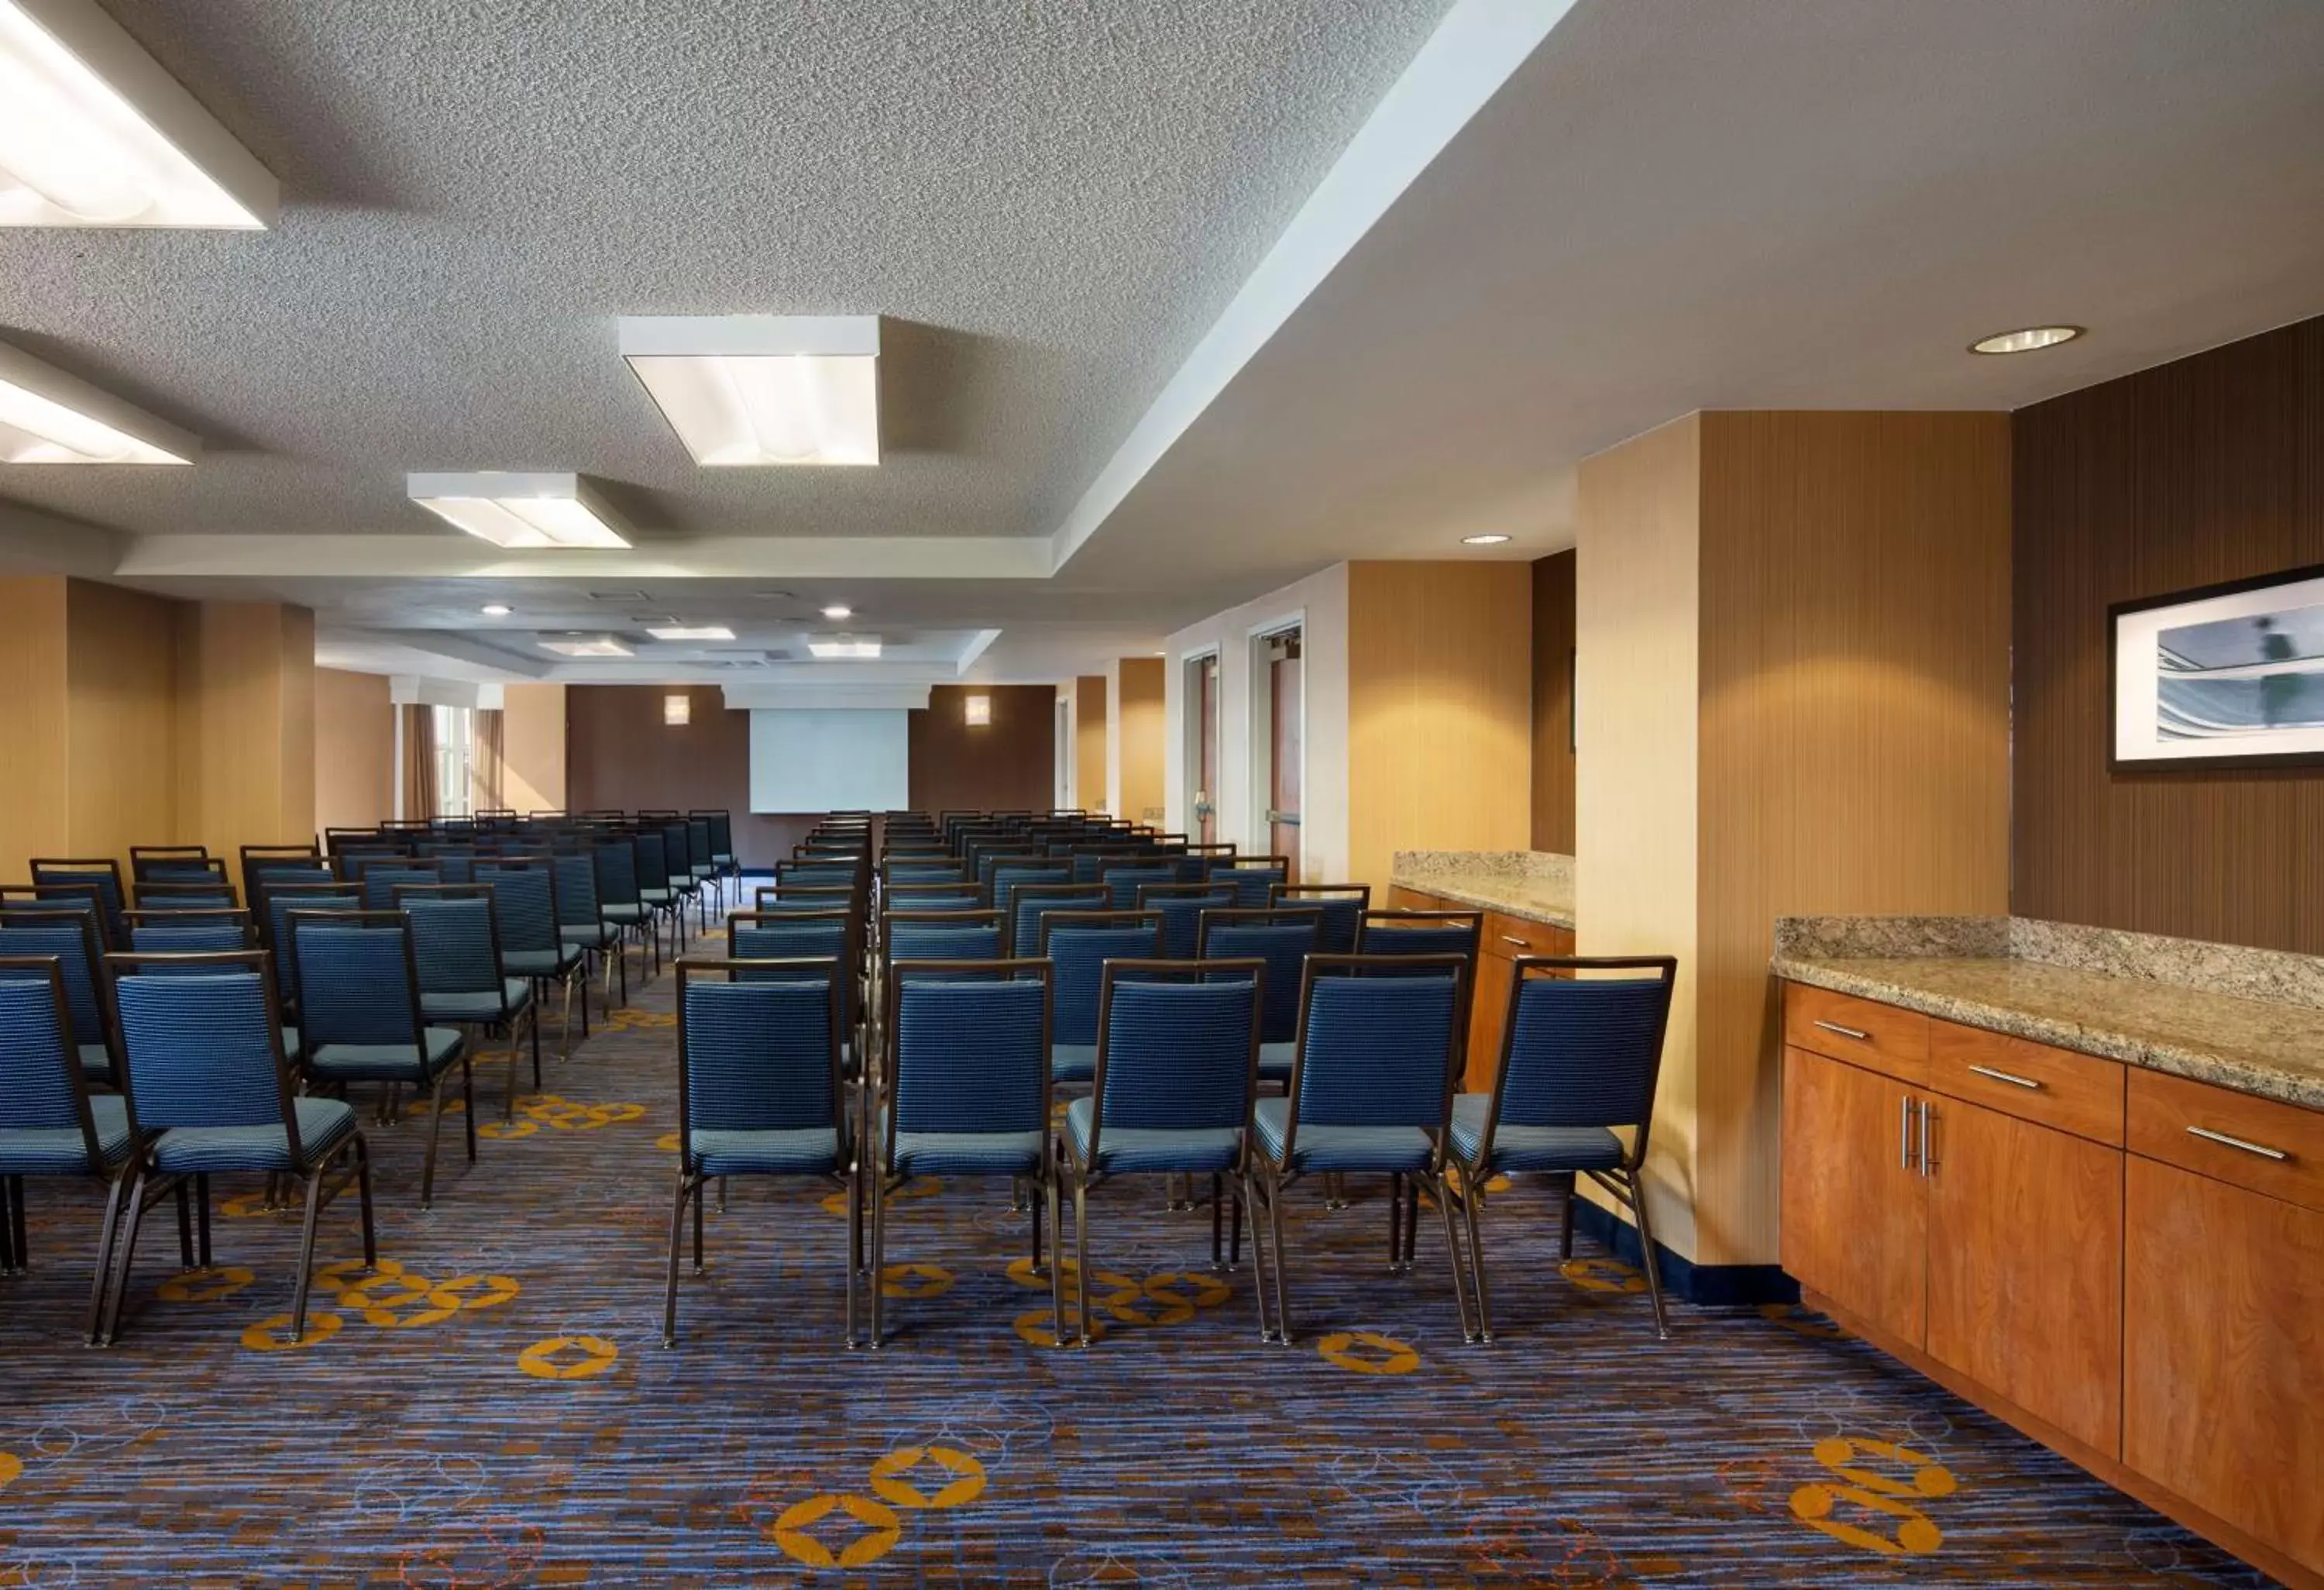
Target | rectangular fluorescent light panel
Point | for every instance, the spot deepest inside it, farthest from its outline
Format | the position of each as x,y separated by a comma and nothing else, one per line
978,711
676,711
843,646
704,631
93,132
587,646
520,510
48,417
752,391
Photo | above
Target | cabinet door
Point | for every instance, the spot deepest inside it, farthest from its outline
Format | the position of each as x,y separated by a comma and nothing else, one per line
1488,1012
1855,1219
2025,1266
2223,1378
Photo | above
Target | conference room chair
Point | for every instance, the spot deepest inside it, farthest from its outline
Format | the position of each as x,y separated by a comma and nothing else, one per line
723,859
1372,1093
1421,933
1181,907
102,874
1078,945
1283,940
964,1092
1580,1054
581,925
71,938
1339,910
1194,863
288,864
621,905
172,892
929,897
50,1125
532,945
1011,872
147,860
1029,903
761,1092
360,1022
1172,1088
1124,876
805,897
456,946
1251,877
686,886
187,932
273,925
651,847
206,1065
381,880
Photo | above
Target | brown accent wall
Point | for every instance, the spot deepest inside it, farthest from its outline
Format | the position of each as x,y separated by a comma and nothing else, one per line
354,749
618,753
1552,703
1141,725
1007,765
1089,741
2210,468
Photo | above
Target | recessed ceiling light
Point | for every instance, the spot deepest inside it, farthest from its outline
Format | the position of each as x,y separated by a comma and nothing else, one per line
495,610
520,510
2026,341
843,646
757,390
839,610
1482,540
587,646
48,417
698,632
93,133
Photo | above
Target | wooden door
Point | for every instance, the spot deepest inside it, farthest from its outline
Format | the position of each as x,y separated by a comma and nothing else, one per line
1856,1211
1286,684
1489,1010
2223,1353
2025,1288
1204,806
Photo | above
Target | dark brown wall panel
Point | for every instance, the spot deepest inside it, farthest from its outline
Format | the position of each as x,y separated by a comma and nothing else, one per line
1007,765
1552,703
2210,468
618,753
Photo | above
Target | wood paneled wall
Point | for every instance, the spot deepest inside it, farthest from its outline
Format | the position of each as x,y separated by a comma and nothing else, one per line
532,731
1440,710
618,753
246,724
1135,731
35,749
2210,468
354,749
1552,703
123,701
1008,765
1089,741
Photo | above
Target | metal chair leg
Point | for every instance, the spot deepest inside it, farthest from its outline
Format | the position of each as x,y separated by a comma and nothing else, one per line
185,1226
1634,1195
468,1100
1081,1255
676,1238
1258,1275
8,1264
1472,1207
364,1204
698,1201
1282,1260
435,1134
1453,1252
1396,1223
879,1253
854,1240
105,1238
1052,1189
128,1257
1565,1220
202,1221
307,1253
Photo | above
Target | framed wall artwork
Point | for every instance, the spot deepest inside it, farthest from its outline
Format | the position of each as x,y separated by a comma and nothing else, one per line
2227,676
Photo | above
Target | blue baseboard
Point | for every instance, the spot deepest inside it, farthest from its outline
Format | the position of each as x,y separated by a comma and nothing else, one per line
1711,1286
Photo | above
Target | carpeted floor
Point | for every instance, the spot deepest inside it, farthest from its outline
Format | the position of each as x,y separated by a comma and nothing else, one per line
497,1409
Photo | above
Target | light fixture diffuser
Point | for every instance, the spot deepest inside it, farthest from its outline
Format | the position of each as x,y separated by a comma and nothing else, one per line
2026,340
520,510
587,646
676,711
977,710
837,646
1487,540
93,132
753,391
701,632
48,417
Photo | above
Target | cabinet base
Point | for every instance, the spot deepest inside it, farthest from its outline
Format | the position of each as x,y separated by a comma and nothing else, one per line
2219,1534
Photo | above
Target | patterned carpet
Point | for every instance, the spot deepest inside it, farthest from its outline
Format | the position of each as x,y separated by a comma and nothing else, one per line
497,1408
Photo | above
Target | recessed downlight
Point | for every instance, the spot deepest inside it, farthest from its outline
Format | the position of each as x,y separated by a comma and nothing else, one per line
496,610
691,631
2026,340
1484,541
839,610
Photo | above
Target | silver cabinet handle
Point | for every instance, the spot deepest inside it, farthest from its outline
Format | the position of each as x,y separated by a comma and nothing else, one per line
1512,939
1928,1138
2014,1081
2261,1150
1845,1032
1905,1133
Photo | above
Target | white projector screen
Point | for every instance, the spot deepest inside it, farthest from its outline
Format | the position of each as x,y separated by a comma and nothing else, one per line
834,759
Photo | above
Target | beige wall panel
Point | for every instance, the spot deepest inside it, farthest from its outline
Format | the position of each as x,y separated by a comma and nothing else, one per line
35,760
1134,728
1089,741
296,818
122,666
532,731
354,749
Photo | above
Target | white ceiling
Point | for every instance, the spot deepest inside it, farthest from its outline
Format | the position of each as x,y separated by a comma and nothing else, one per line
1665,206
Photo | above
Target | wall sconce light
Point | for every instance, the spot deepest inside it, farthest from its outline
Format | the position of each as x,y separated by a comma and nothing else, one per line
676,711
978,711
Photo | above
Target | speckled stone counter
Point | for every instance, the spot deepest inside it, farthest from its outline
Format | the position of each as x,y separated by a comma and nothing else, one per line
1531,886
2251,1020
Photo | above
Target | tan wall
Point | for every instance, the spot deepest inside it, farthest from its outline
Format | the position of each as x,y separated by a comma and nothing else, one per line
121,660
35,760
355,750
1440,710
245,726
532,729
1089,741
1134,728
1553,704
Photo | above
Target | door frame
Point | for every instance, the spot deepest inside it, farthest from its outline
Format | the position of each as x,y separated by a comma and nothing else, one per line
1259,719
1190,740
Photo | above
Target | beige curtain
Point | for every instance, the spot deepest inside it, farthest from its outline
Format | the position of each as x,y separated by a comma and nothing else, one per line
419,762
487,769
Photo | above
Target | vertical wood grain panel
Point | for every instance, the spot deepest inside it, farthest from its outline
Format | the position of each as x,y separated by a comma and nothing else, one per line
1007,765
354,749
532,731
36,753
1440,710
1552,703
619,754
1089,741
295,813
2210,468
1137,729
121,667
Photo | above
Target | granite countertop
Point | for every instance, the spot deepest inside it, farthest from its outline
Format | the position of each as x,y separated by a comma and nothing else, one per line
1531,886
2110,995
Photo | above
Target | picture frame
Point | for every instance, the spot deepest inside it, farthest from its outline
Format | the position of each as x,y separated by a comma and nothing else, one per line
2226,677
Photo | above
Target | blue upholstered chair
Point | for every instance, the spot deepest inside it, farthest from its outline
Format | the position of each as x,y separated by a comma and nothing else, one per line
965,1092
360,1020
685,883
189,932
1078,945
581,925
933,897
285,863
621,905
705,871
1011,872
1029,903
1197,862
898,870
1339,910
650,848
49,1124
205,1063
72,938
102,874
381,880
1284,939
171,860
532,945
1251,877
1089,860
816,897
1181,907
1171,1093
456,945
273,923
722,844
941,936
1581,1054
1372,1093
760,1090
165,893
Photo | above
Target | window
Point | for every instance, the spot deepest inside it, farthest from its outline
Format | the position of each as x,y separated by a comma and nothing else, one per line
455,730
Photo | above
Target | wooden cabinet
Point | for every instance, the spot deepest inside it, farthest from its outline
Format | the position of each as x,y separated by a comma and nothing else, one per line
1501,939
1855,1225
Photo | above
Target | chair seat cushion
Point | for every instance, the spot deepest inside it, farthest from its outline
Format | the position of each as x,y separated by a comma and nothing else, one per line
516,994
969,1153
537,963
722,859
1129,1149
1276,1061
387,1062
45,1151
323,1124
1384,1149
577,937
1530,1148
652,897
1073,1062
95,1062
704,869
625,916
807,1151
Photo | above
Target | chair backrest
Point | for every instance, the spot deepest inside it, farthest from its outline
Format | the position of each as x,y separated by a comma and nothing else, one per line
1079,945
651,848
897,871
166,891
41,1085
1339,909
616,862
758,1051
261,861
1089,861
358,978
722,832
1284,939
1124,878
1013,873
1584,1043
969,1048
1029,903
201,1045
381,882
187,932
1176,1051
454,937
1375,1050
1421,932
283,898
1251,877
71,936
1182,906
942,936
524,903
814,874
677,849
698,841
577,889
939,896
150,860
103,874
792,936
